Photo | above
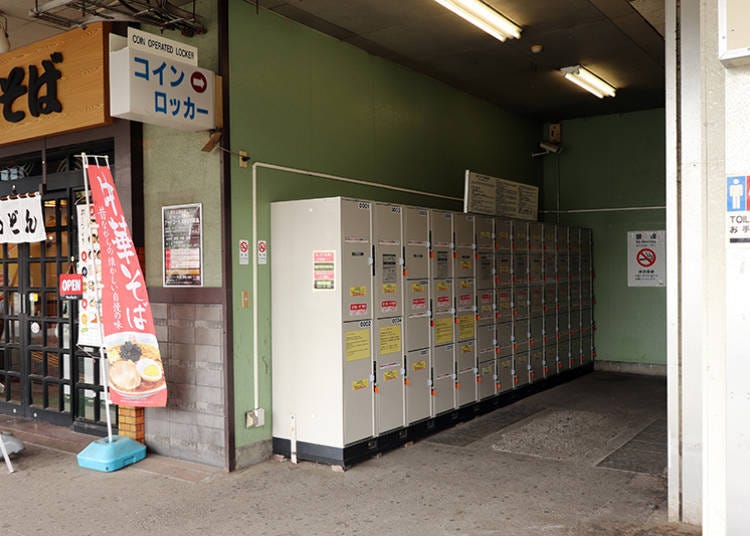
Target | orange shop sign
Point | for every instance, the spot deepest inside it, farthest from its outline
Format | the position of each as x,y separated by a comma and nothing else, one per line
54,86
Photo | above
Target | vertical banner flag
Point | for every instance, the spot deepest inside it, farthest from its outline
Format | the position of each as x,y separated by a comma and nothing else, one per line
136,372
89,265
21,219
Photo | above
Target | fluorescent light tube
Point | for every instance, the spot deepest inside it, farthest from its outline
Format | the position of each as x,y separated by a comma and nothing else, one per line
587,80
483,17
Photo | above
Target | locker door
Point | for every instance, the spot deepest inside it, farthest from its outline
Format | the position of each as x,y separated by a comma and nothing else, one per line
520,268
485,307
466,367
550,360
416,242
443,379
502,235
505,338
465,294
536,268
520,303
550,298
485,233
389,391
357,381
549,334
550,267
520,236
417,314
487,377
485,265
562,239
536,331
586,350
563,355
465,326
521,368
386,233
504,269
550,235
536,364
563,297
504,307
356,271
417,386
486,338
563,326
536,300
520,335
504,374
536,240
463,237
441,244
575,353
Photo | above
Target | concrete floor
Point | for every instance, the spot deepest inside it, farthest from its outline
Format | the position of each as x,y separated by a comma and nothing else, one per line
585,458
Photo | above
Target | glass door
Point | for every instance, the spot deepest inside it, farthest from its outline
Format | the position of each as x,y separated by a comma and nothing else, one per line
43,374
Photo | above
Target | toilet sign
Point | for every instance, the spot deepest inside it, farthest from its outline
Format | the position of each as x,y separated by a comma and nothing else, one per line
646,259
738,210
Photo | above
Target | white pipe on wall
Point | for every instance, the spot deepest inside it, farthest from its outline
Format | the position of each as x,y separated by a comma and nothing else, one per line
309,173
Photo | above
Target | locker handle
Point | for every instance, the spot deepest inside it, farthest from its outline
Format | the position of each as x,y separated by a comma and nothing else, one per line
376,389
433,392
374,260
406,381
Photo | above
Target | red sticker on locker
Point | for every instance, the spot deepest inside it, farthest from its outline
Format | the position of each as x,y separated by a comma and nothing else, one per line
419,303
465,299
486,298
444,300
388,306
358,309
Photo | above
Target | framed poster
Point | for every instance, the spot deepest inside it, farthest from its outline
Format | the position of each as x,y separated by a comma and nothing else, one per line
182,243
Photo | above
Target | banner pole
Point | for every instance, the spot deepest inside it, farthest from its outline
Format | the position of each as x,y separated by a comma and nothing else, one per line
102,359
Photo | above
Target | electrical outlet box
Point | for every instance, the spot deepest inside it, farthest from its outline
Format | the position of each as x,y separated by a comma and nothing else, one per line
554,133
255,418
243,159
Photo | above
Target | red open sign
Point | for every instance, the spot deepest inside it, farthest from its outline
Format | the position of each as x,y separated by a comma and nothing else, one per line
70,285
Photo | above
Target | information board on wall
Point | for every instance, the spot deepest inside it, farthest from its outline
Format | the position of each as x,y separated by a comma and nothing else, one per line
182,235
484,194
647,265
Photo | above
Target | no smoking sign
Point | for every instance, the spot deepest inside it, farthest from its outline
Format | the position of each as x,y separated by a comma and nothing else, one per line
646,256
244,249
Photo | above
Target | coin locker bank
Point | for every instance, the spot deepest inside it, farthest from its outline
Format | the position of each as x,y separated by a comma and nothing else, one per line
391,322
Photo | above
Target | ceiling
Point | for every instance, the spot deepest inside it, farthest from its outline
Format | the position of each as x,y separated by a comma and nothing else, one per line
620,40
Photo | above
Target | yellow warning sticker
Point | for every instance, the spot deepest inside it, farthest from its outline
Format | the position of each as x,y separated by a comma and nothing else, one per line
417,287
485,234
443,286
466,327
486,371
358,291
360,384
389,375
467,283
390,288
444,330
390,340
467,348
357,344
466,264
420,365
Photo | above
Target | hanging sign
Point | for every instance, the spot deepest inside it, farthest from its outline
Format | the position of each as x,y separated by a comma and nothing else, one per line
136,372
182,236
646,259
151,86
70,286
21,219
89,265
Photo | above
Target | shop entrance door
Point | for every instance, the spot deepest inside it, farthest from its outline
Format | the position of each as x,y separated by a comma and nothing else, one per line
43,375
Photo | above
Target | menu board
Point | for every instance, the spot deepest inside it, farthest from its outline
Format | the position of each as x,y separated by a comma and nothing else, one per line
182,237
499,197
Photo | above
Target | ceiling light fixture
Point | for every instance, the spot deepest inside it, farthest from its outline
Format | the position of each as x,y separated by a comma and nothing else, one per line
587,80
4,41
483,17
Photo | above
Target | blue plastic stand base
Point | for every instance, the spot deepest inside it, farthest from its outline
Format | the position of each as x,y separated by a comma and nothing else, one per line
101,455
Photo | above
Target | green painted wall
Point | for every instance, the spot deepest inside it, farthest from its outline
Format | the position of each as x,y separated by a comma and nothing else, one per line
302,99
608,162
176,172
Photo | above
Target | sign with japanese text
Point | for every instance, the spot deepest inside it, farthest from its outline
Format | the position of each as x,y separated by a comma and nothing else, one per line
499,197
159,90
136,372
647,266
89,266
21,220
54,86
182,235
